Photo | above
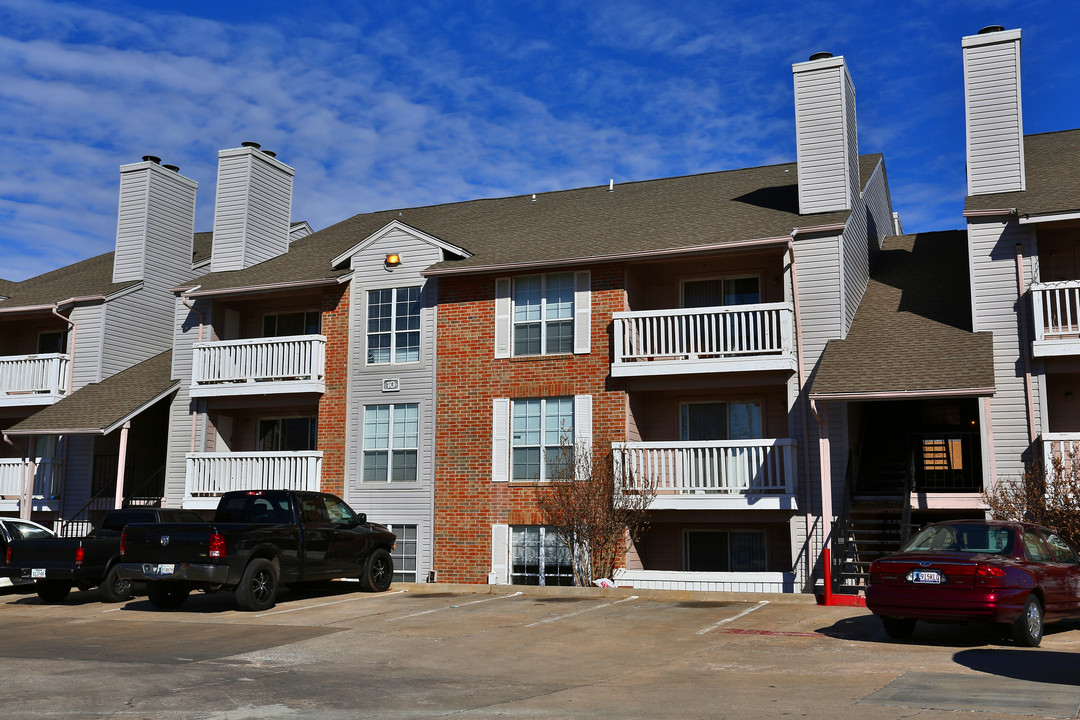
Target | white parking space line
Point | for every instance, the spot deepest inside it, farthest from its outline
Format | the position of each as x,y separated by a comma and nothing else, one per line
333,602
725,621
579,612
452,607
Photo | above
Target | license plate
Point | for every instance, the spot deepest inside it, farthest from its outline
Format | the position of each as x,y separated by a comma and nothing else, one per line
926,577
37,573
164,569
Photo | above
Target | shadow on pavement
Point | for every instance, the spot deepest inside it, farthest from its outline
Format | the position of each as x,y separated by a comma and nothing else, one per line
868,628
1045,666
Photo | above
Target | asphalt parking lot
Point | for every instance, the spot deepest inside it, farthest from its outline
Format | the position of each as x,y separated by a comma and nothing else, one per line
432,651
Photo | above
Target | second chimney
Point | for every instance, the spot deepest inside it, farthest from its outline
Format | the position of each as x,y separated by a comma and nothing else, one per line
992,111
826,135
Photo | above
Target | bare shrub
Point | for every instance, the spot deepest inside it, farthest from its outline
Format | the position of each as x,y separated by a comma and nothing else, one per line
596,507
1046,497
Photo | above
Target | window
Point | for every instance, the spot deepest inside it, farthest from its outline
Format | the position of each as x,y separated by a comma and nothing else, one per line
294,323
1061,550
720,421
391,439
544,314
542,433
1036,551
52,342
404,553
724,551
393,326
539,557
287,434
717,292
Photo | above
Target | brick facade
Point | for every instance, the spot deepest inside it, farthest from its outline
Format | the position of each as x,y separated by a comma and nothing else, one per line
333,404
469,377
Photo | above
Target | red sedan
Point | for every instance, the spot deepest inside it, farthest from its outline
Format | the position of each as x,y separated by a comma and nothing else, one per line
1016,574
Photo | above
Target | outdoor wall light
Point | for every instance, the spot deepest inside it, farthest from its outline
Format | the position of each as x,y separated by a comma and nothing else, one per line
393,259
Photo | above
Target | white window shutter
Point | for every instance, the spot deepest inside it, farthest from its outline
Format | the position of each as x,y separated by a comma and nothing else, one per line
500,555
582,312
502,318
500,440
582,431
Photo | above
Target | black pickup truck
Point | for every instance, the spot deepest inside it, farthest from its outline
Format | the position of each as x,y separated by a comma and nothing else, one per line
57,564
258,539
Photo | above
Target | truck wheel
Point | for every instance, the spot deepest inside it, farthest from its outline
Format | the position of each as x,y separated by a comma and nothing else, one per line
898,628
258,586
378,573
114,588
1027,630
167,595
52,591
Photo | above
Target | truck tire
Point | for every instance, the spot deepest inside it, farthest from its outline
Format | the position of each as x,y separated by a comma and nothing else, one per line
167,595
114,588
52,591
258,586
378,573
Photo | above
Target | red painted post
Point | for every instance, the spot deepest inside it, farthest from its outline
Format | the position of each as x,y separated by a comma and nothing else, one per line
826,557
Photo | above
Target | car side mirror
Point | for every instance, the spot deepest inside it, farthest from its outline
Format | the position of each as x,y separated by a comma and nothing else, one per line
361,518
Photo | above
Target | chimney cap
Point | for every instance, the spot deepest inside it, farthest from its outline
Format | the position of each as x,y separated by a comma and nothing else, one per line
271,153
991,29
174,168
152,158
250,144
821,56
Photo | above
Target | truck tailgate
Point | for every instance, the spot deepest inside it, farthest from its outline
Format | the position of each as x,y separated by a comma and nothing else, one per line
171,543
44,553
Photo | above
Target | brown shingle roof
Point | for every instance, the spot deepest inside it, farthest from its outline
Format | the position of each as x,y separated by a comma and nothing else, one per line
680,212
1052,169
99,406
88,278
912,331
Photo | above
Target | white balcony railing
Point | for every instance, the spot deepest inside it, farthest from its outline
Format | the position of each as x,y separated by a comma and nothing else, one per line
713,339
209,475
46,477
1064,446
1056,307
33,379
265,365
696,473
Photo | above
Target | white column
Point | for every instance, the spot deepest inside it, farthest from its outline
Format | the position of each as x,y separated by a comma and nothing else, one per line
121,465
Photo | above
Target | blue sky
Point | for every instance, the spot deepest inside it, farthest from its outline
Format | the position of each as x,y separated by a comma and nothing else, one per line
381,105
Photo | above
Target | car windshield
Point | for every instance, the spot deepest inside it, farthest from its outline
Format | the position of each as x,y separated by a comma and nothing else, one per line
963,537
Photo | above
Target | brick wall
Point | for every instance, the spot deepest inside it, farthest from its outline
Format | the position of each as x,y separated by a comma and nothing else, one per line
332,405
467,502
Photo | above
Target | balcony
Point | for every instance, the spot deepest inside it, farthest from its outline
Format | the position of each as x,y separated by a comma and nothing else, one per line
704,340
47,477
33,379
263,366
715,474
1056,308
209,475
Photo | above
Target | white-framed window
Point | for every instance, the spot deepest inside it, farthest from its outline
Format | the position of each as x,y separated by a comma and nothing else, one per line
538,556
286,324
543,314
52,342
533,439
393,325
725,551
404,552
391,443
720,420
542,438
291,434
721,291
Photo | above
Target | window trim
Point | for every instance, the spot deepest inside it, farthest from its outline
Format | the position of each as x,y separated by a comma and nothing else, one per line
393,332
502,431
581,316
389,449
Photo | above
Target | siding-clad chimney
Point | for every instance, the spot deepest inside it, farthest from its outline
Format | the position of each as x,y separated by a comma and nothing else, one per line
826,135
155,223
251,212
993,116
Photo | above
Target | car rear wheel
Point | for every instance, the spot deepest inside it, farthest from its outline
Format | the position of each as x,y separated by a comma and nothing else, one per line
114,588
258,586
167,595
1027,630
898,628
378,573
52,591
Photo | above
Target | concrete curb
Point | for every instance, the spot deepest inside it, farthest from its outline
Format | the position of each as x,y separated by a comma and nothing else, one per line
596,592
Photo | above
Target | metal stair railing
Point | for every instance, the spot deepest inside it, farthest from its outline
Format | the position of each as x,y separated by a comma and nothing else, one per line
81,524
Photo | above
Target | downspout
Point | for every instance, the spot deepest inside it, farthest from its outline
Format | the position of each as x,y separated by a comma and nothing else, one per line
70,348
1025,348
802,382
202,322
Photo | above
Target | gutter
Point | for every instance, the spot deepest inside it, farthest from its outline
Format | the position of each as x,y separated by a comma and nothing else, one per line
1025,346
202,323
906,394
813,230
270,287
990,213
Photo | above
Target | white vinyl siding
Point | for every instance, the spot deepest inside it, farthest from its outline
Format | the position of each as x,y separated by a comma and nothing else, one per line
994,120
825,135
251,209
